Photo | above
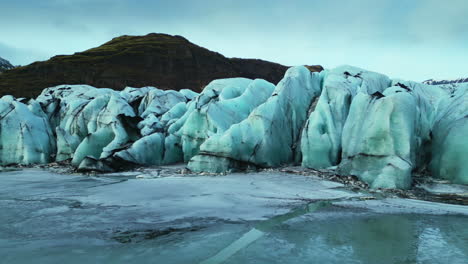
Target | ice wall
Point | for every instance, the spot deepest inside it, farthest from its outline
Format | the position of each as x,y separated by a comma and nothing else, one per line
362,122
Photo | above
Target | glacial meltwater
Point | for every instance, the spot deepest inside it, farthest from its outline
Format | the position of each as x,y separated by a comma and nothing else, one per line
261,217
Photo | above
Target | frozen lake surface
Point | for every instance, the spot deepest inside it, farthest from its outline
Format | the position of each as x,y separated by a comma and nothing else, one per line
238,218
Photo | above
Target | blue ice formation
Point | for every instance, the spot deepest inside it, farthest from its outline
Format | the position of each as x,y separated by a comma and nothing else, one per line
380,129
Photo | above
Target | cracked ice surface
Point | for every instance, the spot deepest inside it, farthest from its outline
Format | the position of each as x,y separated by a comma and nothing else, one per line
117,218
231,197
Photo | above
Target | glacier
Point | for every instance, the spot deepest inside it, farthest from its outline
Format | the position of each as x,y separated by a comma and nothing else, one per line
362,123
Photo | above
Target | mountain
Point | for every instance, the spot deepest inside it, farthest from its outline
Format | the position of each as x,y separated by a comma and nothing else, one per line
5,65
437,82
160,60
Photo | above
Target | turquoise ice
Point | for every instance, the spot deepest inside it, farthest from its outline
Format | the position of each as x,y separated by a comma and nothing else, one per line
360,122
25,134
321,137
268,136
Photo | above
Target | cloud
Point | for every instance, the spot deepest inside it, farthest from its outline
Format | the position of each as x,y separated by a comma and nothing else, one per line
439,21
385,35
18,56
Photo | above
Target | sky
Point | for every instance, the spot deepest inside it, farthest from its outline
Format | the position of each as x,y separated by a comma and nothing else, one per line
408,39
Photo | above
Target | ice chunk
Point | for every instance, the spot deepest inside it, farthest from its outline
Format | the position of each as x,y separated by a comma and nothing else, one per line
147,150
93,145
379,139
390,135
176,112
267,137
133,95
189,94
25,135
449,137
321,137
97,123
221,104
158,102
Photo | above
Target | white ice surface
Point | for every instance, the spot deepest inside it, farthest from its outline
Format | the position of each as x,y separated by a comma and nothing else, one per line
59,218
233,197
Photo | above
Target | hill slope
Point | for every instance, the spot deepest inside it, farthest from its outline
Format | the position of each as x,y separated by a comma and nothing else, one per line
164,61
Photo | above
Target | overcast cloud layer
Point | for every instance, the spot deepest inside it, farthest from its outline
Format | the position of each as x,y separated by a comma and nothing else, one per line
417,39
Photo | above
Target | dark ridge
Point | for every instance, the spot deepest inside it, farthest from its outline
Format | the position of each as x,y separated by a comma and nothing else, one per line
160,60
314,68
439,82
378,95
403,86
